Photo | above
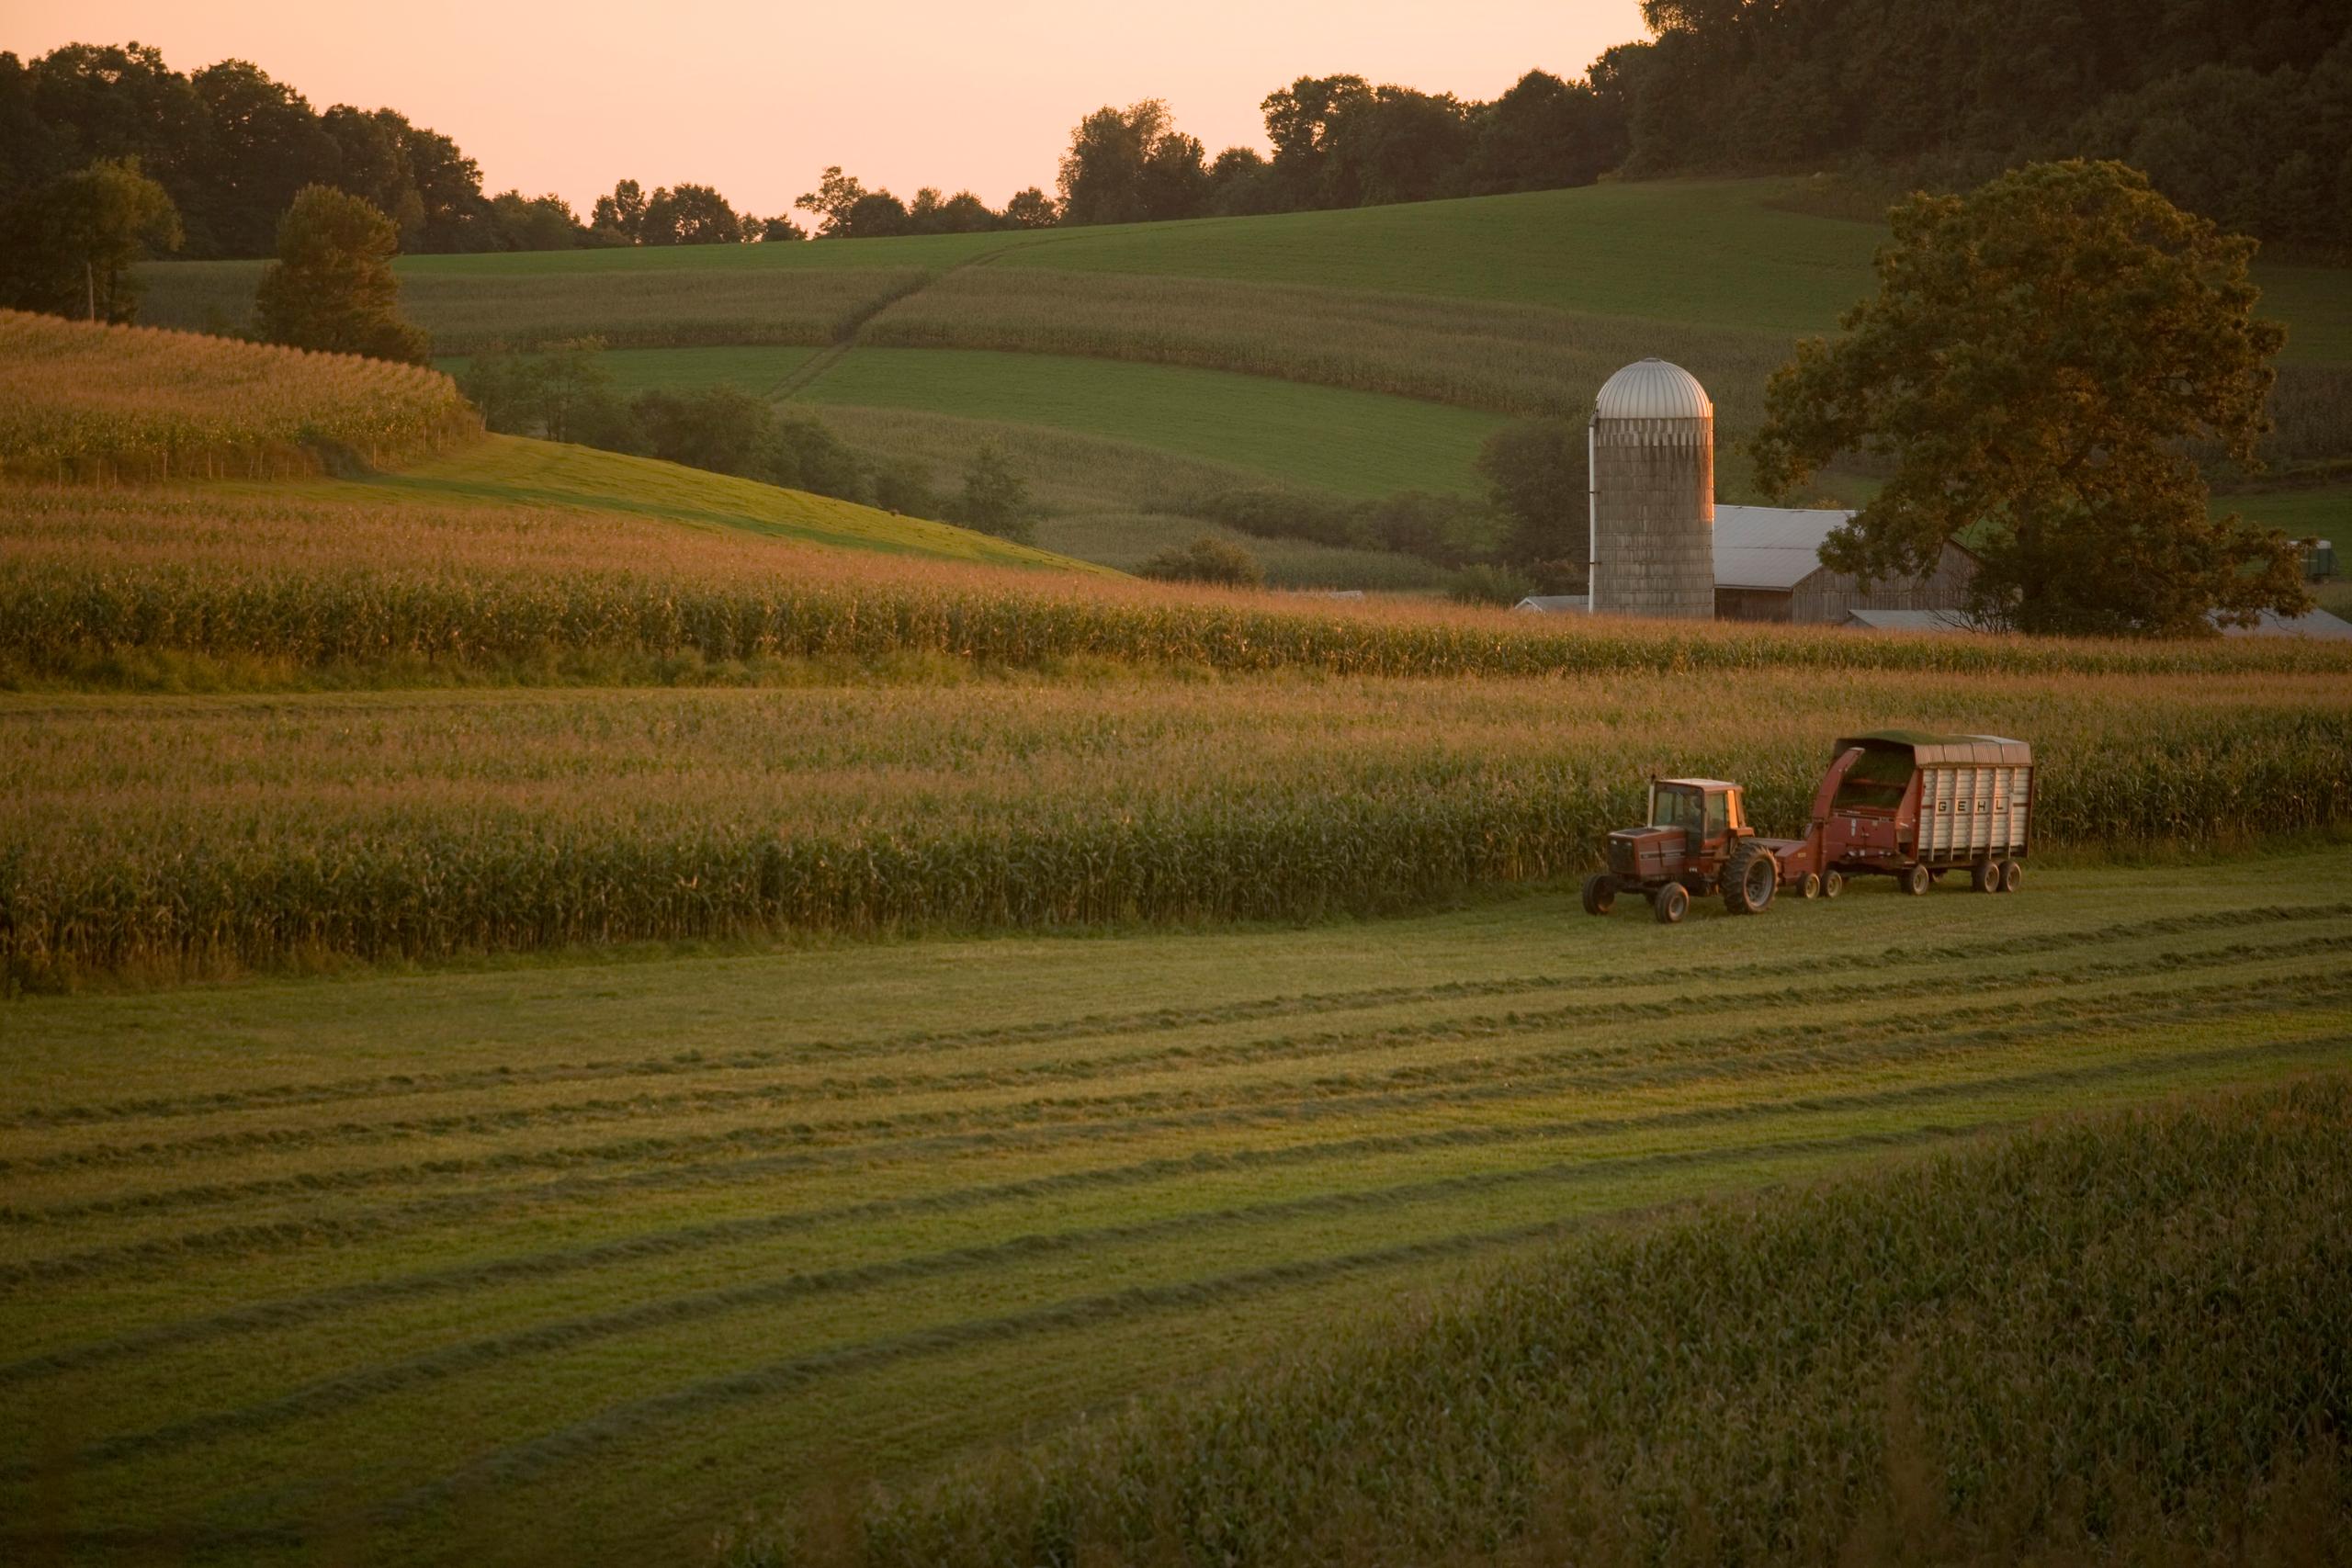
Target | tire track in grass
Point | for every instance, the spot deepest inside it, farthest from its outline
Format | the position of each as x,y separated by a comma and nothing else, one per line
348,1134
328,1395
521,1461
329,1183
1154,1019
322,1304
1507,1079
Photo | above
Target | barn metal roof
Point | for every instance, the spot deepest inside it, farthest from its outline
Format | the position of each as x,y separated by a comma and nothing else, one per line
1770,547
1652,389
2318,623
1911,620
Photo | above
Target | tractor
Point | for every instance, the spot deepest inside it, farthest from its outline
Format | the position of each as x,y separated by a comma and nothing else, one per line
1894,803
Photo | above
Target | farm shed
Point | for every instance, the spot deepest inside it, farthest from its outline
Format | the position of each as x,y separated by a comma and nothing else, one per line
1768,568
2318,623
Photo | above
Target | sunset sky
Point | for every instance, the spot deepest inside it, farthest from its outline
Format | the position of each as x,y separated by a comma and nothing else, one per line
757,98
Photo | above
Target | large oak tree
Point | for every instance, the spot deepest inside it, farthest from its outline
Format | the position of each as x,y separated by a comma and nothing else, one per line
2041,357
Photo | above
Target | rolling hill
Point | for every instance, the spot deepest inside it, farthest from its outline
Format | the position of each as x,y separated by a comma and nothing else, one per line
1436,321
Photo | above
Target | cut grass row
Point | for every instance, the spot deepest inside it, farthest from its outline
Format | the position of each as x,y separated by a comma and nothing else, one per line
1989,1351
263,831
505,1333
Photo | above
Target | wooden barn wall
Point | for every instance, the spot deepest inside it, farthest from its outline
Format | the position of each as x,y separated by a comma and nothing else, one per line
1823,598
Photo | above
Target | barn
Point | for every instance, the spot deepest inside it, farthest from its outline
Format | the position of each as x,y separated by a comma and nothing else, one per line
1768,568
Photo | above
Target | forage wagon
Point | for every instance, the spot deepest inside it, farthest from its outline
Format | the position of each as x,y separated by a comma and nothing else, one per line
1895,802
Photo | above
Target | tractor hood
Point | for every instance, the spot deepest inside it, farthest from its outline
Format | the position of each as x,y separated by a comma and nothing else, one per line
1646,852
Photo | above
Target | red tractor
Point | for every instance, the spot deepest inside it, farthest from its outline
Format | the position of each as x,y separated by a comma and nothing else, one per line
1896,802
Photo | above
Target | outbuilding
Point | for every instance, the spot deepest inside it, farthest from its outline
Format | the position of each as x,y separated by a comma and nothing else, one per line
2318,623
1768,567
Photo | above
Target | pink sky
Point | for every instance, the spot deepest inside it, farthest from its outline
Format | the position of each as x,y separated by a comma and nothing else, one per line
757,98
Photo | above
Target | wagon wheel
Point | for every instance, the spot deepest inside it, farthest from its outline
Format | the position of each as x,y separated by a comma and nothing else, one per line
1833,883
1985,876
1599,894
2012,874
1916,878
1671,903
1811,886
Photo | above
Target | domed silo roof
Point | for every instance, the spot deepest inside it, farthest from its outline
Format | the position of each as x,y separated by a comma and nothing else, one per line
1652,389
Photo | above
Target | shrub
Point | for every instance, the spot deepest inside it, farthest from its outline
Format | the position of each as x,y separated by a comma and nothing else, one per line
1485,584
1207,559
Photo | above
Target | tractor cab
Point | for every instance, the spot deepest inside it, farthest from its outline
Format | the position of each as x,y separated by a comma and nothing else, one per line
1692,825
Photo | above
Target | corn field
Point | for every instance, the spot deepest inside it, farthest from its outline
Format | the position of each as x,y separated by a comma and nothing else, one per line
113,404
172,836
414,593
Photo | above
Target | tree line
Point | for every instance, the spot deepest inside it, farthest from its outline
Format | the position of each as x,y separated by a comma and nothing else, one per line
2238,110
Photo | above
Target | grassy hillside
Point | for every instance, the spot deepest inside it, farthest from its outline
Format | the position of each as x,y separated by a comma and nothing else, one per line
1988,1354
510,470
635,1245
1499,306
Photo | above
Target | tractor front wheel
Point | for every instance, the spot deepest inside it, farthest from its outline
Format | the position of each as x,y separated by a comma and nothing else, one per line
1670,904
2012,876
1599,894
1751,878
1916,878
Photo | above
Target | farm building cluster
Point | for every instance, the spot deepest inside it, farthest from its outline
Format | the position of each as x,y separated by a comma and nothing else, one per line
1661,547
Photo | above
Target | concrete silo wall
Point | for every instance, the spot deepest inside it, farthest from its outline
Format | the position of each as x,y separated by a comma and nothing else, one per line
1654,517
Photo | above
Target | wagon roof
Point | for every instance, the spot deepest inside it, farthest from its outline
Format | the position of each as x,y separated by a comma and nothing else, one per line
1941,750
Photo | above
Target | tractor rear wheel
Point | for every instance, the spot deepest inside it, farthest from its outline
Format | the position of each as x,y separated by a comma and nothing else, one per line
1670,904
1985,876
1916,878
1751,878
1599,894
2012,876
1811,885
1833,883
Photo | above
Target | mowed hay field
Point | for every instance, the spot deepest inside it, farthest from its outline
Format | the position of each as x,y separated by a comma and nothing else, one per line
575,1264
2032,1348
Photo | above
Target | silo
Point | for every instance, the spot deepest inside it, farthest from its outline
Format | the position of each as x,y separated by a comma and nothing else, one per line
1653,477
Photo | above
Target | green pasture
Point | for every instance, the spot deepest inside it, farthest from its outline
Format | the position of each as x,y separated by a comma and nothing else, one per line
575,1262
1358,444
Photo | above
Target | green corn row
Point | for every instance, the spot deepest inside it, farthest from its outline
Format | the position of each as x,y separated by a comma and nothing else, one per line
428,883
55,615
80,402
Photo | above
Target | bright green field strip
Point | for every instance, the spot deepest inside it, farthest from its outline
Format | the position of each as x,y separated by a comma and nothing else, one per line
2325,513
1315,1099
756,369
517,470
1354,443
